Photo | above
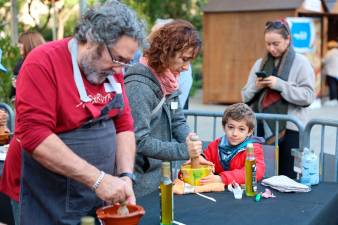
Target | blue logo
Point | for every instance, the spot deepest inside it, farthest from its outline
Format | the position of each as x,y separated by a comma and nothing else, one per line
303,34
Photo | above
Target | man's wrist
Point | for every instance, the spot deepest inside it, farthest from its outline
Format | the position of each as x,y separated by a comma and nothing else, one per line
131,176
98,180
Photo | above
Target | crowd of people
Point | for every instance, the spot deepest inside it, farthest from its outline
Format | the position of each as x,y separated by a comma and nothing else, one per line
93,128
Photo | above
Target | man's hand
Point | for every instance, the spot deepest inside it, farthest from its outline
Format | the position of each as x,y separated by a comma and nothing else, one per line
194,146
115,190
129,191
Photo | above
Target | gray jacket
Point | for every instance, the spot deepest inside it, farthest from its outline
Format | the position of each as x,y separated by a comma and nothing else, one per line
159,136
299,89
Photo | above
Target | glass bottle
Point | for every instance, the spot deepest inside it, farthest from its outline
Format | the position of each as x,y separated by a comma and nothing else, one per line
87,220
166,196
250,171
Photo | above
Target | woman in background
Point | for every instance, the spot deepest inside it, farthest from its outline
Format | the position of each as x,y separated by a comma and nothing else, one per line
330,63
288,88
27,41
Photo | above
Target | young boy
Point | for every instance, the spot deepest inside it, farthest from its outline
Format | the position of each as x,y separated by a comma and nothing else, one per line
228,152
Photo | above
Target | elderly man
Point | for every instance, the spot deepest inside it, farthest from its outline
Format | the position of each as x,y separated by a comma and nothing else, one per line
74,121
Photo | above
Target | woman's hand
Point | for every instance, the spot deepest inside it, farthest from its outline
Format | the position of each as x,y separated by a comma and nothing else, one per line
269,82
194,146
211,179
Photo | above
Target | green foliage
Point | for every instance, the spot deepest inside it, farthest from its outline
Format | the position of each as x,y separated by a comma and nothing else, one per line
150,10
190,10
70,25
196,74
10,55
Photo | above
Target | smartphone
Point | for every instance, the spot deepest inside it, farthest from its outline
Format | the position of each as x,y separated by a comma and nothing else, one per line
262,74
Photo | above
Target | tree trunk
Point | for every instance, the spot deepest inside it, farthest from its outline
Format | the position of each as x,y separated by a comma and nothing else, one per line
83,7
63,17
14,22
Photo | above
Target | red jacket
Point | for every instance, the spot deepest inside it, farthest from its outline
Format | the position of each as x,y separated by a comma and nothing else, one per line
237,164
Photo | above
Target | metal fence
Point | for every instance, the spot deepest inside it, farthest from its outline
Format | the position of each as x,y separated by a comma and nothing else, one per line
271,152
328,162
259,116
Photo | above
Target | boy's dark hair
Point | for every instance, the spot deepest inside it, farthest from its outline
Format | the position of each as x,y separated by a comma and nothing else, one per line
240,111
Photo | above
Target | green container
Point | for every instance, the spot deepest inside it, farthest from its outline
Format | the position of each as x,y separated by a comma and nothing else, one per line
193,176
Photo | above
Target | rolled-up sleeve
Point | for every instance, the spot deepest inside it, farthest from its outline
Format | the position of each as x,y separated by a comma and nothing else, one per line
35,106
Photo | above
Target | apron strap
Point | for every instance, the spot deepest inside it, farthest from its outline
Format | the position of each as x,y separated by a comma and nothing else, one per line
72,45
115,103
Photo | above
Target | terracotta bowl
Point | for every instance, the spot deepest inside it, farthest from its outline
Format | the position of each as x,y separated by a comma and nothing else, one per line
108,215
193,176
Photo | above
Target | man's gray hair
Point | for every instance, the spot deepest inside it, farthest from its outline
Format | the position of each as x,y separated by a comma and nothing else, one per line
108,22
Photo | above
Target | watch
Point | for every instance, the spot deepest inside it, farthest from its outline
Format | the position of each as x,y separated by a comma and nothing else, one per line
130,175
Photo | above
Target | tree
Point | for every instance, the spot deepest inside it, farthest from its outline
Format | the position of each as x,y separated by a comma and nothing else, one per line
150,10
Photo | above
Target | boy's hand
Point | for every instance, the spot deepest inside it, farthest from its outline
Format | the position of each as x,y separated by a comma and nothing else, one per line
211,179
194,146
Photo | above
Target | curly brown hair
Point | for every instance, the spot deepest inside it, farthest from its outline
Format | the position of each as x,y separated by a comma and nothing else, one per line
238,112
172,38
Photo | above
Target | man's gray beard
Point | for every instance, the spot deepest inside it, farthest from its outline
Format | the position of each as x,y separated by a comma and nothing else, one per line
93,76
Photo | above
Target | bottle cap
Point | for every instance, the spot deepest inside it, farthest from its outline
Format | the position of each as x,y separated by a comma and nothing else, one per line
249,145
166,169
87,220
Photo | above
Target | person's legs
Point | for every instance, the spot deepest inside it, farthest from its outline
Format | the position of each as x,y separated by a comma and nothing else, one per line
16,211
332,83
186,105
286,160
336,87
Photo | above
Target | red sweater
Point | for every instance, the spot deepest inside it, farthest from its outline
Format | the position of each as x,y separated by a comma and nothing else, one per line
48,102
236,170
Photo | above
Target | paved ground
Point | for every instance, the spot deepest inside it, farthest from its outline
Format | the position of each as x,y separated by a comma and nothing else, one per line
205,125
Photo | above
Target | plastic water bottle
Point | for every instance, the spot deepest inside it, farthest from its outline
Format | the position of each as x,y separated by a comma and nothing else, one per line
310,168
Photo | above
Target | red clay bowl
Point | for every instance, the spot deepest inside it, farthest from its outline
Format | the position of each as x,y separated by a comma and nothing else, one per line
108,215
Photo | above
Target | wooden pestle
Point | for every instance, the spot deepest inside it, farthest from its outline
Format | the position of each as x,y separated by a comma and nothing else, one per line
195,163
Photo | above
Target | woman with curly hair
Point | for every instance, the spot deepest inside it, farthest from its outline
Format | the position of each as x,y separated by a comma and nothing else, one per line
152,89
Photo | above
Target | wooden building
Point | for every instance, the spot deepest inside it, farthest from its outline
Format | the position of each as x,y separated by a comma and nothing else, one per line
233,40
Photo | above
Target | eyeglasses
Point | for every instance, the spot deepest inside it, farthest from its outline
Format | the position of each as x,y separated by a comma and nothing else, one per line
118,60
278,24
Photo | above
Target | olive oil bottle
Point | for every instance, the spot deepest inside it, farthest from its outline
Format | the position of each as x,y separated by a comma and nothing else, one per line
166,196
87,220
250,171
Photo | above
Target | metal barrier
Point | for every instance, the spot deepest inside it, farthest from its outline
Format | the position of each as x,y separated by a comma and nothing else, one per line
271,151
10,112
323,123
259,116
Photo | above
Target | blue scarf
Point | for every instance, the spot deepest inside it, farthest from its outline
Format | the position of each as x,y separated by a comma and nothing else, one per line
227,152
